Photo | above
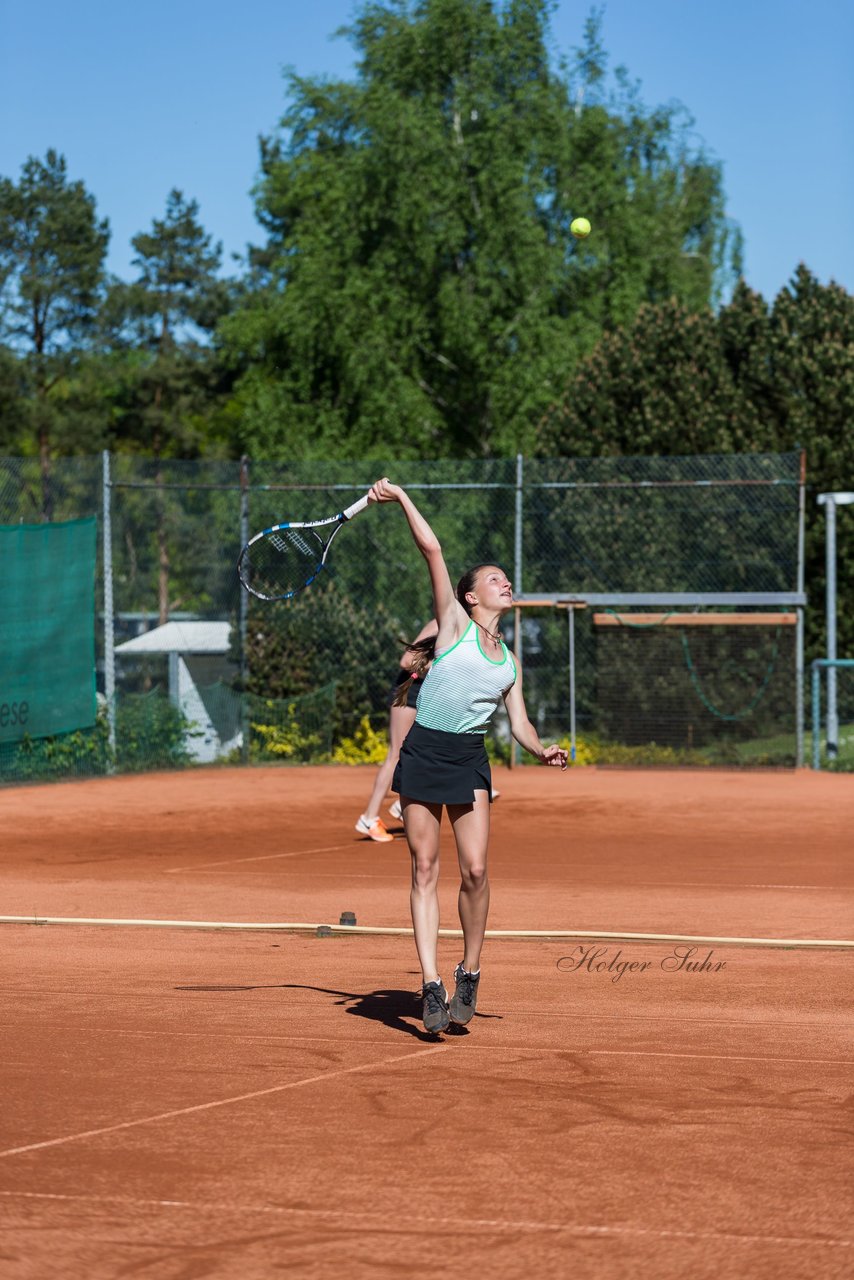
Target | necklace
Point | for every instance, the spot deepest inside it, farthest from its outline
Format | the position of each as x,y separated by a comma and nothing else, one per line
495,636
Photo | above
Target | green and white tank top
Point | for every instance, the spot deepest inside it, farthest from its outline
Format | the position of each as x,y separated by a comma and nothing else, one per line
463,687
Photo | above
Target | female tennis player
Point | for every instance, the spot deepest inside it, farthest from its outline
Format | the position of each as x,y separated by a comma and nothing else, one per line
443,759
414,664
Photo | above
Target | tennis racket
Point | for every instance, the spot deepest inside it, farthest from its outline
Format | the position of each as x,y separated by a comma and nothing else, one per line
283,560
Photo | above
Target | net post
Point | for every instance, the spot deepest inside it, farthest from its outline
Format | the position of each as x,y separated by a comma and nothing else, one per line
109,629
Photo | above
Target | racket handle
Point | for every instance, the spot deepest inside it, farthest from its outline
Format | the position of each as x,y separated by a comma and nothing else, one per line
356,508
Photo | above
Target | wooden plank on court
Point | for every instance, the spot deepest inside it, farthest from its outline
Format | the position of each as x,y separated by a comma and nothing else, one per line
695,619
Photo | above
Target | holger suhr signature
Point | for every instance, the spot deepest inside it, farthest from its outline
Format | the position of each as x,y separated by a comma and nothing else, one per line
611,963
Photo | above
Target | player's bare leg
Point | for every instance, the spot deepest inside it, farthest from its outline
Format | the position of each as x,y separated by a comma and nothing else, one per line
423,822
471,832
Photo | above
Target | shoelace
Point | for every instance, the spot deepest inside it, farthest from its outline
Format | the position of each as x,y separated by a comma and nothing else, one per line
466,985
434,999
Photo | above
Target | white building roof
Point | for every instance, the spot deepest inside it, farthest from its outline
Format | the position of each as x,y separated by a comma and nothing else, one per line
180,637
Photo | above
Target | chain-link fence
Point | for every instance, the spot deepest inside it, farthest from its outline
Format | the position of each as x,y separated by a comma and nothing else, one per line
192,669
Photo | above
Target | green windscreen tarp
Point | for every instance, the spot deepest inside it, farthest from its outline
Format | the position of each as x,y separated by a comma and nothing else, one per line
47,628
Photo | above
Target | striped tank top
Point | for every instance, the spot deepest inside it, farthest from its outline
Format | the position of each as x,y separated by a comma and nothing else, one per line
463,687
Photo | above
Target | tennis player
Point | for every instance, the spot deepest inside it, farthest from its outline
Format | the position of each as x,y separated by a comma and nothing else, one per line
443,760
414,664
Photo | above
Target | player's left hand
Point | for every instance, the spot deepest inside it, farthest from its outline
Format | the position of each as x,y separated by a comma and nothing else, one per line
554,755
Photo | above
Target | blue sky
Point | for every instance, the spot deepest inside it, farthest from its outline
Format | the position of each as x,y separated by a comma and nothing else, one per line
141,99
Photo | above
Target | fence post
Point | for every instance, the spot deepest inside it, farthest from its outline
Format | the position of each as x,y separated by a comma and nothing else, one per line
799,632
830,551
830,501
517,579
570,613
243,609
109,633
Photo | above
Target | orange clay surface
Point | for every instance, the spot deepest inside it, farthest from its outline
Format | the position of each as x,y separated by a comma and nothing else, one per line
180,1104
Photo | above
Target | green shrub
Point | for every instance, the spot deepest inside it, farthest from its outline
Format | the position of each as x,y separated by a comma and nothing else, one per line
283,741
324,637
151,733
367,746
82,753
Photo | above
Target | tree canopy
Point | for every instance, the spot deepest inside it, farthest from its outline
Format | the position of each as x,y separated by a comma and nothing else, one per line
420,286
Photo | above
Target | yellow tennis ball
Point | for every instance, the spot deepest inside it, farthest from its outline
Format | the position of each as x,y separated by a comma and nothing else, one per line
580,228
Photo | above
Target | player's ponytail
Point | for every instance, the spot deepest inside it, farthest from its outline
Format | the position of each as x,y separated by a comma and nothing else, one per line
422,652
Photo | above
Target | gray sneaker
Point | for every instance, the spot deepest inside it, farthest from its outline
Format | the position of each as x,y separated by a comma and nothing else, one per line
464,1000
435,996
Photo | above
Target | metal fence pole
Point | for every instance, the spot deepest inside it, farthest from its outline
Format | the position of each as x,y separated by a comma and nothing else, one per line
517,550
830,501
517,576
830,549
109,633
799,688
570,613
243,609
816,714
799,633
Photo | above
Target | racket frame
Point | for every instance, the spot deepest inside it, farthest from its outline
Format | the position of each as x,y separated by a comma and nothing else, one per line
339,520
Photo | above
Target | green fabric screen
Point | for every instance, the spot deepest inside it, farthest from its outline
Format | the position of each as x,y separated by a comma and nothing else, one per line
47,628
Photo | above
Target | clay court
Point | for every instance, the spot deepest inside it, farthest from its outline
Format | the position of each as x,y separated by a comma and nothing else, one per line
248,1102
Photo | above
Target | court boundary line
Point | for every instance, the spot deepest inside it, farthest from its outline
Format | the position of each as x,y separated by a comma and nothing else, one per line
260,857
339,930
488,1224
217,1102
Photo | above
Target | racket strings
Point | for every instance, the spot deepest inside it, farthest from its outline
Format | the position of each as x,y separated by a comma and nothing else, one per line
287,539
282,563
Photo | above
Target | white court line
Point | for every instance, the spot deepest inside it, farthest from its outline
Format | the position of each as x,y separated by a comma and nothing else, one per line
261,857
343,931
381,1222
220,1102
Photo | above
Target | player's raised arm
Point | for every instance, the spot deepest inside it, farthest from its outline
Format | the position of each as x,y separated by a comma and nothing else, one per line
447,610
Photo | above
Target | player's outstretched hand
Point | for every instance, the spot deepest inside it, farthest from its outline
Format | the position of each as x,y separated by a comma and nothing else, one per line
384,491
554,755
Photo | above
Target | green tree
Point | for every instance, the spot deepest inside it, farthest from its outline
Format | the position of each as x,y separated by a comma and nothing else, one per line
658,385
420,290
751,378
812,341
52,250
158,331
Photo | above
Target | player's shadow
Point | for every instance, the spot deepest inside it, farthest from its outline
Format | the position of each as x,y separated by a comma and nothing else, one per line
392,1007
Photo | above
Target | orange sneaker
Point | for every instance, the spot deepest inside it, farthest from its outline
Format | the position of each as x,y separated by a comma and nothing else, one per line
376,829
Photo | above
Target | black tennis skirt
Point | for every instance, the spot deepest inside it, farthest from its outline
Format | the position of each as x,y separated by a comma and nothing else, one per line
442,768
